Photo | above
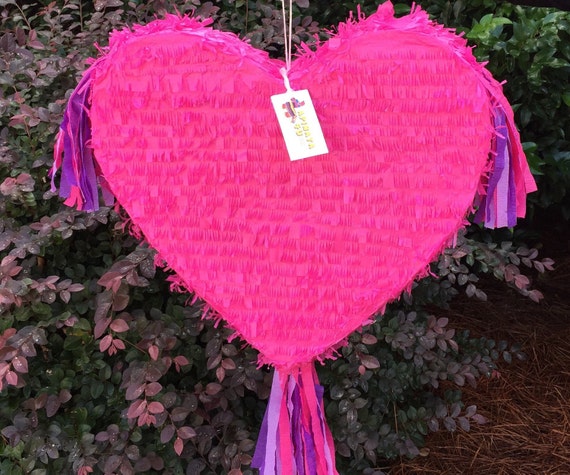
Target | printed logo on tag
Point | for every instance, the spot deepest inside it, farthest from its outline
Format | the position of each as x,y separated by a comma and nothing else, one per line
299,124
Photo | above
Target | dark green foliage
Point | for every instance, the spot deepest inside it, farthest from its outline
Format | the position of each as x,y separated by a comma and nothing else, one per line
102,368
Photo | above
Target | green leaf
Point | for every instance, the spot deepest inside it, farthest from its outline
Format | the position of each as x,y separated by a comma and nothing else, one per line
96,390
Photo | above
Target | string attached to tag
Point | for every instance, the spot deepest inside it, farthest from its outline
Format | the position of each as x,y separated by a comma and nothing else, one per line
283,72
287,41
294,109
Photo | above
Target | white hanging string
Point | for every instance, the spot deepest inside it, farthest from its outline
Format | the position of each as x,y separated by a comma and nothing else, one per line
287,41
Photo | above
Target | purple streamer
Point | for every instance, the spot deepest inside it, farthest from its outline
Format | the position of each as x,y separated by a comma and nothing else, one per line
320,390
512,198
265,454
294,405
501,151
498,206
78,167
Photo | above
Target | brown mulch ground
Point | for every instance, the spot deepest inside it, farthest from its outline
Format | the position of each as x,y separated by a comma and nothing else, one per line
528,406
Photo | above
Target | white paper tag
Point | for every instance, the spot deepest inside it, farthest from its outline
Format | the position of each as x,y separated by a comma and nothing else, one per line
299,124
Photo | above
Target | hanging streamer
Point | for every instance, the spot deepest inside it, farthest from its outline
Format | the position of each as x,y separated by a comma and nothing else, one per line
294,437
500,202
80,174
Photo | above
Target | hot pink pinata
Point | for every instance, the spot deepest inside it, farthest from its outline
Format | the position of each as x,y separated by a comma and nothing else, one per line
175,120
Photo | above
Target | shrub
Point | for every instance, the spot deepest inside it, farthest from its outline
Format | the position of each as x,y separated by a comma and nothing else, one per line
104,370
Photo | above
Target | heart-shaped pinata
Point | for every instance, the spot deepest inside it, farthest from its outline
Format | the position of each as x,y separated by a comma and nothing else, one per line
295,255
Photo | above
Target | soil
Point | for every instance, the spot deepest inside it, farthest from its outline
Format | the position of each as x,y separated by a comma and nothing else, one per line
528,402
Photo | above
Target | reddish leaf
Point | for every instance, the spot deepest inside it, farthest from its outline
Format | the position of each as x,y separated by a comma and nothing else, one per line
479,419
369,361
213,361
153,351
10,332
166,361
228,363
178,446
65,295
539,266
152,389
521,281
14,271
64,396
526,261
470,411
156,462
12,378
113,463
119,325
180,361
153,371
104,300
213,388
132,452
548,263
369,339
535,295
75,288
105,343
459,379
108,279
8,353
229,350
167,433
481,295
136,409
40,401
179,414
453,344
8,259
155,407
134,391
102,436
119,344
20,364
28,349
213,347
124,266
101,326
186,432
220,373
52,405
146,419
